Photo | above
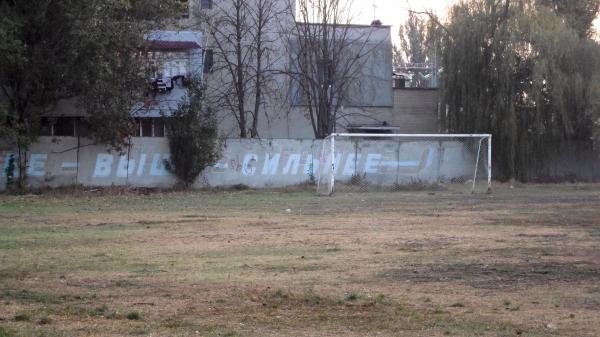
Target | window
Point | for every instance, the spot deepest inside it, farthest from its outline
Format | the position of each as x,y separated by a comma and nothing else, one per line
206,4
150,127
46,126
159,127
146,127
82,127
208,61
136,132
65,126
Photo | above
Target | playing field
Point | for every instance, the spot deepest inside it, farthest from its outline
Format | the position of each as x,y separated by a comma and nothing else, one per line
518,262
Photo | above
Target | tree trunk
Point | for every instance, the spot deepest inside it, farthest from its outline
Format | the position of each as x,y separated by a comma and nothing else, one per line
241,92
22,165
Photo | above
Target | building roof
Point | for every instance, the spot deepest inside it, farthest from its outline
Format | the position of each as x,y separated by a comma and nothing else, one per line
174,40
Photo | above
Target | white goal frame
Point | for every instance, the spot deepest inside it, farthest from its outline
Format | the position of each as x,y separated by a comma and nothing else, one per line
437,136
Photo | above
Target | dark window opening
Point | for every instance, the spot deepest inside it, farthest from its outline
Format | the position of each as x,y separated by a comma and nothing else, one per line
149,127
399,83
159,127
136,132
208,61
146,127
82,127
46,126
64,127
383,128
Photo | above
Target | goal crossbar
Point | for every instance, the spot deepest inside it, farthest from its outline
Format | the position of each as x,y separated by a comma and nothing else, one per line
480,136
413,135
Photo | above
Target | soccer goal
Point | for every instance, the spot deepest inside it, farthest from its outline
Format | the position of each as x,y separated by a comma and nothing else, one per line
356,162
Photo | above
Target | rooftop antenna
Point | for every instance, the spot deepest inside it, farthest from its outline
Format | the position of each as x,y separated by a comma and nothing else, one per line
375,9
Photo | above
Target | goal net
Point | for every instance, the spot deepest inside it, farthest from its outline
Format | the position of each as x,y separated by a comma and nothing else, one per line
397,162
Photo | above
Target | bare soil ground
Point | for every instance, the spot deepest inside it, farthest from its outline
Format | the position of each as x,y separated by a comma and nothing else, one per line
518,262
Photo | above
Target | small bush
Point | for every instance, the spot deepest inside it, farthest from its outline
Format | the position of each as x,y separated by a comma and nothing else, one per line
357,179
438,310
351,297
21,317
240,187
193,138
280,294
134,316
113,315
382,299
98,311
44,320
311,298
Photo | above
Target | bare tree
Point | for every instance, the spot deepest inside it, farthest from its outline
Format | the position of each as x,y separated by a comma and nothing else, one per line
328,55
264,13
242,43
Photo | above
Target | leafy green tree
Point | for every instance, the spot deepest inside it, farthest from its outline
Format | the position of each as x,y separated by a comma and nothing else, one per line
420,39
193,137
520,71
578,14
85,49
413,36
420,43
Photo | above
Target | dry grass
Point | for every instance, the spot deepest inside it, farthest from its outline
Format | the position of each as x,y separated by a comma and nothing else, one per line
519,262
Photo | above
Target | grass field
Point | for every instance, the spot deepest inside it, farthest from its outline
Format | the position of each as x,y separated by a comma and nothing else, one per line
518,262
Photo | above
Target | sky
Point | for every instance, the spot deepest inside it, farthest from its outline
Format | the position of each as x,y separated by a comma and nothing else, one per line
395,12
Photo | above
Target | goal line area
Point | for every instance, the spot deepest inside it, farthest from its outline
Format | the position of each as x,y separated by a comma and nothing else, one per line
356,162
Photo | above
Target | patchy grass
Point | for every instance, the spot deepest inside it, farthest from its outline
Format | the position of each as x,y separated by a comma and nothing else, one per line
518,262
4,333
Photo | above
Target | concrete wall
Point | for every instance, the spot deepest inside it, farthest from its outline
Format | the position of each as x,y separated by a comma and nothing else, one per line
256,163
572,161
416,110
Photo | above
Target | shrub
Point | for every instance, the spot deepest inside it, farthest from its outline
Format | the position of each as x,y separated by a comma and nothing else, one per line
44,320
134,316
193,138
4,333
351,297
21,317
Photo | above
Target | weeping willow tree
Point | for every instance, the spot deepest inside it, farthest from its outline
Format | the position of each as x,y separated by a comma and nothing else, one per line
519,70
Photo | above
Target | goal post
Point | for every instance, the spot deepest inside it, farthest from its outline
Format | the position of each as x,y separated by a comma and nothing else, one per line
364,161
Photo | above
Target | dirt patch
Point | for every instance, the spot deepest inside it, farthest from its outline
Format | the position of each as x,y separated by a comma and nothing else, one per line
498,275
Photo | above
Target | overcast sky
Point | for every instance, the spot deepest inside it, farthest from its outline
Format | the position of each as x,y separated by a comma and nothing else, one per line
395,12
392,12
